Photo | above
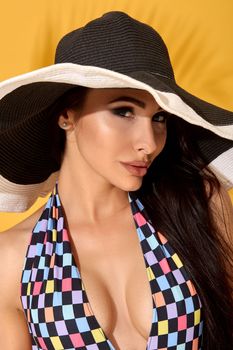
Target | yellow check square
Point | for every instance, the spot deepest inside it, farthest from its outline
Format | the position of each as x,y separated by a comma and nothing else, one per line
56,343
150,274
98,335
49,286
162,327
197,317
177,261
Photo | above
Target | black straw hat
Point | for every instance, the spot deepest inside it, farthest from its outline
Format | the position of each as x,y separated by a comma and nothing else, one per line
113,51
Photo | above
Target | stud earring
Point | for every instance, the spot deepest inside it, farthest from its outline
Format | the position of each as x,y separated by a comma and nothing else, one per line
64,125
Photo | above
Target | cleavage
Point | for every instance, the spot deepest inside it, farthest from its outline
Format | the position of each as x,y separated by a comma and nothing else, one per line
113,273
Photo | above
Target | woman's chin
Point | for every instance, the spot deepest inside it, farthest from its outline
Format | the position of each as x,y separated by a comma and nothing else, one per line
130,186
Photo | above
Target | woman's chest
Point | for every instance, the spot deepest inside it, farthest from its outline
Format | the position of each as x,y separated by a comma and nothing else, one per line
97,292
115,280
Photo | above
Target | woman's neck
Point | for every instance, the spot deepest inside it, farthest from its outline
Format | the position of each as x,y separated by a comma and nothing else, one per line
85,194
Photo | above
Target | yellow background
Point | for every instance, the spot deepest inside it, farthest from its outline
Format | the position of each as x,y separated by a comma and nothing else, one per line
198,35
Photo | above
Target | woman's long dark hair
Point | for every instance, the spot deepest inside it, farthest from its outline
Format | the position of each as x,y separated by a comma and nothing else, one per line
176,193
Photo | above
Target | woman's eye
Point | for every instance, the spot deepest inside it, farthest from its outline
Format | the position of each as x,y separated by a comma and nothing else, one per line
161,117
123,112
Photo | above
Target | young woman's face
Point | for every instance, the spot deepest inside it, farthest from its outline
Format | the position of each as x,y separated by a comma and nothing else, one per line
118,133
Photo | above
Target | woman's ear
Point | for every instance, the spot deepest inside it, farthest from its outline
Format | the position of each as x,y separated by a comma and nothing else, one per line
66,120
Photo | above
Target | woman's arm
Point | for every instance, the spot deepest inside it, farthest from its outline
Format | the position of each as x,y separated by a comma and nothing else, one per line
14,334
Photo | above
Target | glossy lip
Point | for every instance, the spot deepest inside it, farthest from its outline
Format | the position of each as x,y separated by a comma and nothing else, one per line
138,163
137,168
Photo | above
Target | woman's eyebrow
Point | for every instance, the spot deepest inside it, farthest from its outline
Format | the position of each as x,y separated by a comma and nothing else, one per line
129,99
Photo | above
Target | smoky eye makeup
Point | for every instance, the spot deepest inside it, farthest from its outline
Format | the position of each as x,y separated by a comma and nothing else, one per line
161,116
123,112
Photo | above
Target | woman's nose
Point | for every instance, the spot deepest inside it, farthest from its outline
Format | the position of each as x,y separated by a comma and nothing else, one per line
145,140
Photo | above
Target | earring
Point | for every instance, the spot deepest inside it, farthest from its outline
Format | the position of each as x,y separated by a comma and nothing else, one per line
64,125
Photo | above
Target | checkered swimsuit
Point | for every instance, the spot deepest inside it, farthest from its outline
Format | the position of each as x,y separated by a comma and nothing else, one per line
56,305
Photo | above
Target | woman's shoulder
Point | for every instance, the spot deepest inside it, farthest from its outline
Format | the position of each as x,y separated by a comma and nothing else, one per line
18,235
14,243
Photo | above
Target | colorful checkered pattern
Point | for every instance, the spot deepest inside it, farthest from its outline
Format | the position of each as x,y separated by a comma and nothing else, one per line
56,306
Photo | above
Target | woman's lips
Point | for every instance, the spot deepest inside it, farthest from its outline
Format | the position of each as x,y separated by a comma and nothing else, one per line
135,169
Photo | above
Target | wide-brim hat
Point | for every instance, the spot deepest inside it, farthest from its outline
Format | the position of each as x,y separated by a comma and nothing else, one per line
113,51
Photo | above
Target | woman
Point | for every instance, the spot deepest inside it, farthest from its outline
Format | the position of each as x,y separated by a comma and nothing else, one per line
133,248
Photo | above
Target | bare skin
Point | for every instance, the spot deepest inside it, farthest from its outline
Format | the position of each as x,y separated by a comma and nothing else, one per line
99,233
117,286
